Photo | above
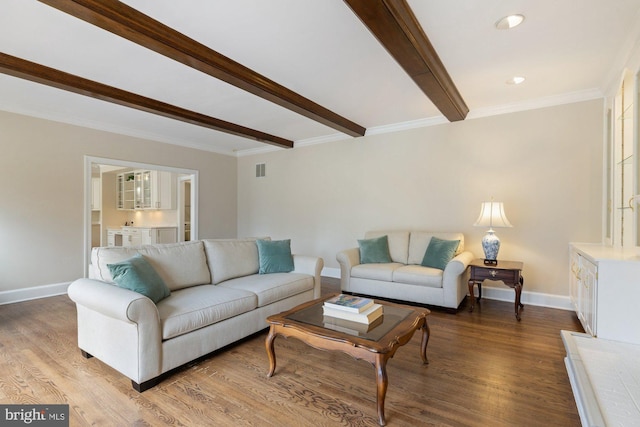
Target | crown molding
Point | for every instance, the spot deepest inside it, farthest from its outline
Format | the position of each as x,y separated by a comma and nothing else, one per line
111,128
412,124
534,104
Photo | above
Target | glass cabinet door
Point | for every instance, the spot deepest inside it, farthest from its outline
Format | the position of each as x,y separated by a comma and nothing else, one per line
146,189
625,165
138,190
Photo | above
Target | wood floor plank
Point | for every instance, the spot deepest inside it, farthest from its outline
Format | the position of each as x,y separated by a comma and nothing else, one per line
485,368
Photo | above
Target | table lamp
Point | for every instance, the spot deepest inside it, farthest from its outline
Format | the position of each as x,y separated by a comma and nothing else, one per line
491,215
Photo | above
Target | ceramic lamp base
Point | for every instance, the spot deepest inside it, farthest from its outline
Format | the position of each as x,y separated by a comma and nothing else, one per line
490,246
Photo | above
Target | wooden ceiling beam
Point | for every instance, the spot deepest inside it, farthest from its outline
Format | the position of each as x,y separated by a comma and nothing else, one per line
395,26
27,70
127,22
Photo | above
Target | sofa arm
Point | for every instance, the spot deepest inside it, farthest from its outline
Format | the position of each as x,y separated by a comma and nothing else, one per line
120,327
453,287
458,265
347,259
113,301
310,265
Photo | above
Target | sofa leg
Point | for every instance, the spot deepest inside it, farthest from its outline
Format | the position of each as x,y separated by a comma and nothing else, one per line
145,385
86,355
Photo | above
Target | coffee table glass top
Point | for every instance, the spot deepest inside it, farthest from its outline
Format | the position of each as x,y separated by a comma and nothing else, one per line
392,315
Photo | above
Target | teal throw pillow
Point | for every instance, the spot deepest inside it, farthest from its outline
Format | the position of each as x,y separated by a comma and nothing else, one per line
136,274
275,256
374,251
439,253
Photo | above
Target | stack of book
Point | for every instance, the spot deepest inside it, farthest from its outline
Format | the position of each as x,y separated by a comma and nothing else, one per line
352,328
353,309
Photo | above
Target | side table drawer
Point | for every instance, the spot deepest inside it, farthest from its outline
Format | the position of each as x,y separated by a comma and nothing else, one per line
480,274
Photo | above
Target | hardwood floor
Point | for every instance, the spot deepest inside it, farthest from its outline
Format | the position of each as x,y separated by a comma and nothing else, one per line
486,369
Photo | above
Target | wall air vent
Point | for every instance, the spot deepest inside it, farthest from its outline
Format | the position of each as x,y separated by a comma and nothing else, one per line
260,170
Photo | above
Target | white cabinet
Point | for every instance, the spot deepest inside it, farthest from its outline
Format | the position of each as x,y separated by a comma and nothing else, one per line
111,238
605,290
125,191
131,236
163,190
583,281
150,236
146,189
136,236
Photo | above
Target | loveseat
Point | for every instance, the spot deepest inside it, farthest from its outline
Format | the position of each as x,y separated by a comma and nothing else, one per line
216,296
403,276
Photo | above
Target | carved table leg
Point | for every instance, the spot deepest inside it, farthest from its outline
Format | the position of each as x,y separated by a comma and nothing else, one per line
518,289
426,332
518,303
472,299
270,350
381,382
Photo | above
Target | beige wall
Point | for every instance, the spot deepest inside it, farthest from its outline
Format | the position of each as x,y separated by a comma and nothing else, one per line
548,173
42,190
545,165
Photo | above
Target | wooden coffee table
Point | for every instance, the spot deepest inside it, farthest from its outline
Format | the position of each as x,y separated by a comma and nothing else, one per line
306,323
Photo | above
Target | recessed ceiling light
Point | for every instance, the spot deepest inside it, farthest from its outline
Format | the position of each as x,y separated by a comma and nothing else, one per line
516,80
509,22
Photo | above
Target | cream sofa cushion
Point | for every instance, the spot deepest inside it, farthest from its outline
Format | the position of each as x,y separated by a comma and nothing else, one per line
272,287
375,271
199,306
180,265
418,275
230,258
419,241
398,243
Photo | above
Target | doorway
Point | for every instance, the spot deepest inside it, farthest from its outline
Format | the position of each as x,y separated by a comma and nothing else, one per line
103,209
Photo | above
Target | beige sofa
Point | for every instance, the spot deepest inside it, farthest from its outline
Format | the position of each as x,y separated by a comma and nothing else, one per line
404,278
217,297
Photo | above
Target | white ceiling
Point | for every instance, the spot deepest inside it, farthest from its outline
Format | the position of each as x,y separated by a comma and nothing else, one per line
568,50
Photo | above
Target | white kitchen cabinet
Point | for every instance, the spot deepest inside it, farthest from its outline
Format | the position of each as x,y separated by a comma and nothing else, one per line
125,191
150,236
131,236
163,190
605,290
111,238
146,189
136,236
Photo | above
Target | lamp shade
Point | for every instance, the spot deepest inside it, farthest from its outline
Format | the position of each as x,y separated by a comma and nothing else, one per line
492,215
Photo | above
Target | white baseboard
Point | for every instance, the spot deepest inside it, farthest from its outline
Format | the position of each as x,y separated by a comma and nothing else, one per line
502,294
527,298
331,272
36,292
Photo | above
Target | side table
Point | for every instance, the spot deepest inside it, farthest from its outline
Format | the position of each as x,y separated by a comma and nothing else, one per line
510,272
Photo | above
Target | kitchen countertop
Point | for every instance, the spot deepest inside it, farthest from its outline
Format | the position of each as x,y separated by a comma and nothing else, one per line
129,227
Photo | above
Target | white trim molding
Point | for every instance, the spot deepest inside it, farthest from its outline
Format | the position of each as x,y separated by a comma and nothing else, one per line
559,302
527,298
36,292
